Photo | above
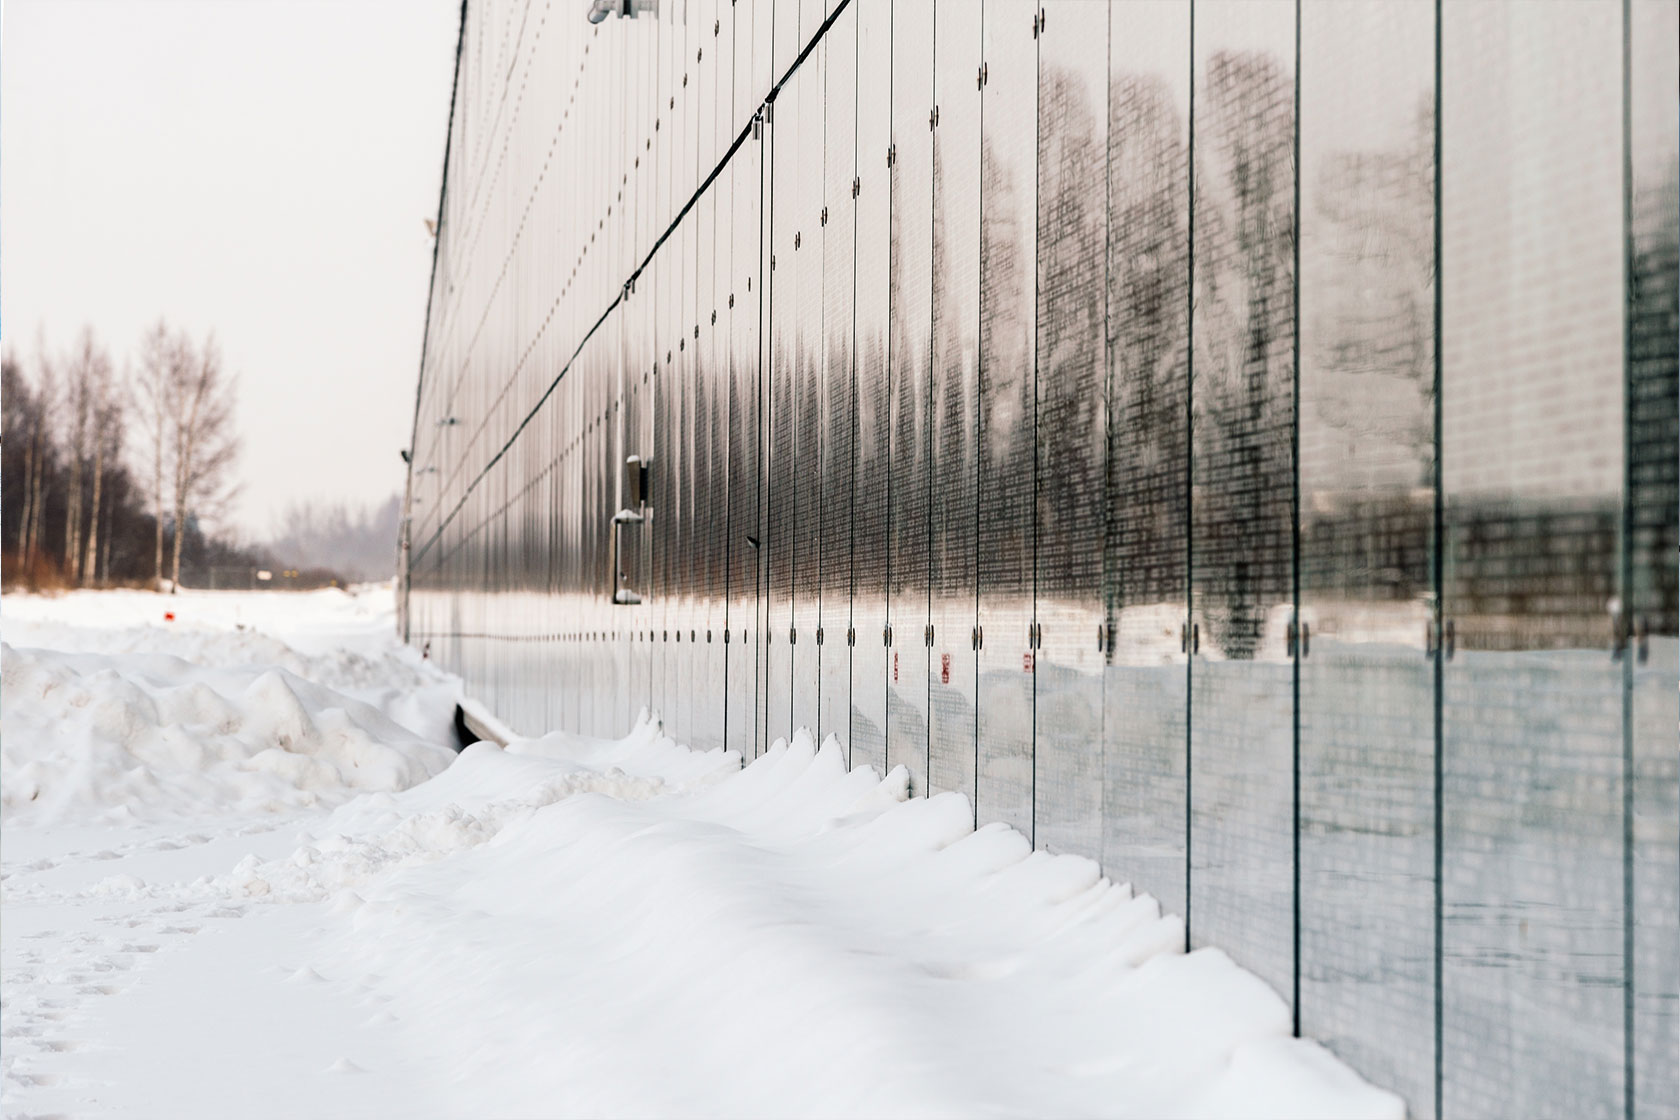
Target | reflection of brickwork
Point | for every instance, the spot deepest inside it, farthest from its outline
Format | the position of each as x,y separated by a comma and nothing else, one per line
1532,575
1367,545
1653,421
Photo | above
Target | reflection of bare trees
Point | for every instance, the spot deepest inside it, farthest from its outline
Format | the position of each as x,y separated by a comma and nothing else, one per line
1006,376
952,534
1072,413
1148,253
1243,335
1372,273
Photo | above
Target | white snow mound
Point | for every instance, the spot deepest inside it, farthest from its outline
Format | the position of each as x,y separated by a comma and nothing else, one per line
93,737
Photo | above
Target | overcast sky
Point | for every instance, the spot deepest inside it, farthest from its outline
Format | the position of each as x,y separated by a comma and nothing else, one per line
263,169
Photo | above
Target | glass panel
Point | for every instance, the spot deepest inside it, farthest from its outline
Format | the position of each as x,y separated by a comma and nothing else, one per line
665,464
956,327
1008,194
909,358
1242,474
710,486
683,721
781,312
662,480
839,414
874,234
741,309
1072,424
1145,749
807,290
764,17
1532,262
1367,512
1652,542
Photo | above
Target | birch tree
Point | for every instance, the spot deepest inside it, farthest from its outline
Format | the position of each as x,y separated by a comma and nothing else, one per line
205,444
165,363
107,427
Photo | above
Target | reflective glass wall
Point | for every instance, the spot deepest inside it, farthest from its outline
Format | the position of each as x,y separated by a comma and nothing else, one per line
1233,440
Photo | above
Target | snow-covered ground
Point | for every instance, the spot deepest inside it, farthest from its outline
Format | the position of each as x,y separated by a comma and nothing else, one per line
243,875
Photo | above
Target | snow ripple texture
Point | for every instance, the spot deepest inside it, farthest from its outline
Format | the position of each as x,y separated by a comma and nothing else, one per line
797,938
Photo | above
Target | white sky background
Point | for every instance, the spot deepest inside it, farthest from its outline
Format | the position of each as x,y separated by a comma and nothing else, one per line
261,168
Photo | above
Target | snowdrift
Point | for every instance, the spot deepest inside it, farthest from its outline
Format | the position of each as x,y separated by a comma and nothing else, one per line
96,737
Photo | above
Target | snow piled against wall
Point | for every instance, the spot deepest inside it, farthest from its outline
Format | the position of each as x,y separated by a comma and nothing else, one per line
146,717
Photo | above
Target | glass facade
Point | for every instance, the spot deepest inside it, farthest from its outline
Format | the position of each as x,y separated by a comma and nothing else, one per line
1233,440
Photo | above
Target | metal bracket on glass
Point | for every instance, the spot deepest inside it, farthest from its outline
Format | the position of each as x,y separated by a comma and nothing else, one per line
635,497
1298,638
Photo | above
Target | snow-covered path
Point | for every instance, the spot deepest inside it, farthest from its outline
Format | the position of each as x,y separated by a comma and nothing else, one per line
242,876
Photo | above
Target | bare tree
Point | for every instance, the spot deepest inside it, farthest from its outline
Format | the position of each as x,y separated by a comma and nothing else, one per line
40,446
107,426
205,445
87,391
165,362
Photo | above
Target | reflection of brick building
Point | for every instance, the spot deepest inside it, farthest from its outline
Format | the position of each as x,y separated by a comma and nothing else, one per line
1525,574
1531,574
1653,423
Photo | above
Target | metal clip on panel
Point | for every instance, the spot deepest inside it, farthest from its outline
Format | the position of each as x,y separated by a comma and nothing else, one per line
636,492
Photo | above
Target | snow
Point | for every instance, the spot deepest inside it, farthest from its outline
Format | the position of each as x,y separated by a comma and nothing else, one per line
242,875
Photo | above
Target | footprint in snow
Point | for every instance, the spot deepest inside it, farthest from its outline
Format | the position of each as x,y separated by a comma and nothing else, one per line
345,1065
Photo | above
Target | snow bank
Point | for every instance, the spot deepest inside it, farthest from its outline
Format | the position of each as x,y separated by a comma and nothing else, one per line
787,939
206,712
92,737
569,926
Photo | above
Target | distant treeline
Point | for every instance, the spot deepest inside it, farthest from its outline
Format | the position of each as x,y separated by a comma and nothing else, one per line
108,474
360,544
